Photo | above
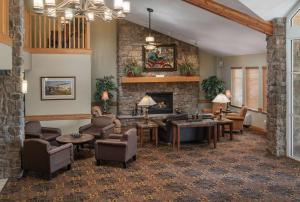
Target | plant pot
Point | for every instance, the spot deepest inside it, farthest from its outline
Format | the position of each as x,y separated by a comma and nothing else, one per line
130,74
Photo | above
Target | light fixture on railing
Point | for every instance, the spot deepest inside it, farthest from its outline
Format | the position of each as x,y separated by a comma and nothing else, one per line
88,8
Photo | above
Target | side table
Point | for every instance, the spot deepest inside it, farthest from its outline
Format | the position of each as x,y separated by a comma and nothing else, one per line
221,125
151,126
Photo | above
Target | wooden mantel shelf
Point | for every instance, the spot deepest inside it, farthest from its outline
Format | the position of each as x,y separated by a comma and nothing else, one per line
166,79
58,117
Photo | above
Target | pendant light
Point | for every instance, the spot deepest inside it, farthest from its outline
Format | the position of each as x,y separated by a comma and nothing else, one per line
150,39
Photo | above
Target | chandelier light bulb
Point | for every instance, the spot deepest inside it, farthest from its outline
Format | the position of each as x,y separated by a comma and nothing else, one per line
50,2
120,14
51,12
126,7
150,47
98,2
38,4
91,16
108,15
118,4
69,14
150,39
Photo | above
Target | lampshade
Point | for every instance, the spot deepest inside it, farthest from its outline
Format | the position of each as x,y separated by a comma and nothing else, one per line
24,86
228,94
105,96
126,6
118,4
221,98
147,101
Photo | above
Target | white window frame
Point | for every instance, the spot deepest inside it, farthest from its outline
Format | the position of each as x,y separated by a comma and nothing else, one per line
292,33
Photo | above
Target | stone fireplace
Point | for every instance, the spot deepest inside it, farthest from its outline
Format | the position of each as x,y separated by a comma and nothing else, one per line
164,102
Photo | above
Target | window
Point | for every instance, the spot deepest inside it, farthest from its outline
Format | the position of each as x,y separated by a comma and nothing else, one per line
237,86
265,88
252,87
296,19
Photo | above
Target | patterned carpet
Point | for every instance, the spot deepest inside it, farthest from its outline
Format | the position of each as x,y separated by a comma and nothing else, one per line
239,170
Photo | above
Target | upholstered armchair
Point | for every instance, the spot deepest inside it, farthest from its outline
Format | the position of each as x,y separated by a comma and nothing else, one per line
33,129
119,148
100,127
39,156
238,119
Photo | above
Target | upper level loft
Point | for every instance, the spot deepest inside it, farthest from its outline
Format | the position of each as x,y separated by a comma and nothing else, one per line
45,34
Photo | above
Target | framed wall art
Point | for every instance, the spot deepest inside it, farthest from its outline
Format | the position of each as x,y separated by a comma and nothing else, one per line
58,88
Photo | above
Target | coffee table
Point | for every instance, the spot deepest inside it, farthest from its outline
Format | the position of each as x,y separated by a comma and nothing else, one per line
85,138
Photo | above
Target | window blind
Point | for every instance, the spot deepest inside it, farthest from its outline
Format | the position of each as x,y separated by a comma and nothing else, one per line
252,87
237,86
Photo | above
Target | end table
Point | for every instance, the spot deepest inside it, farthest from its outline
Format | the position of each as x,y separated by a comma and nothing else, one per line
151,126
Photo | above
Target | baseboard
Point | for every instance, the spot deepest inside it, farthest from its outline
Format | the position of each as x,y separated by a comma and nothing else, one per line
258,129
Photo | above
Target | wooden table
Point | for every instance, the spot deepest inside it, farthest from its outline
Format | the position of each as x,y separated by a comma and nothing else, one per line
151,126
206,123
221,124
85,138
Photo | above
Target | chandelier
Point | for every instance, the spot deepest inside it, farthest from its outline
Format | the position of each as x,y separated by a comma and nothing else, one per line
150,40
88,8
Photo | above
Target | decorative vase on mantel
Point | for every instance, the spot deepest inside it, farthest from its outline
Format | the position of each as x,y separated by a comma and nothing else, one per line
132,69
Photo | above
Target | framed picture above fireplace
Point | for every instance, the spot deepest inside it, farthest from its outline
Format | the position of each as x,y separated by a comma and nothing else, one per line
58,88
162,58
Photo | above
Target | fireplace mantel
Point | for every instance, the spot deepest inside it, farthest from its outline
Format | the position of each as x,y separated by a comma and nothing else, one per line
153,79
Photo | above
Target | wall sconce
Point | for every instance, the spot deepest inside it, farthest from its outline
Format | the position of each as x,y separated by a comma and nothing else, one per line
24,86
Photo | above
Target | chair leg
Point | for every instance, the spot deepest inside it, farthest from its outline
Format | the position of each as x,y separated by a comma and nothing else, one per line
69,167
98,162
125,165
49,177
134,158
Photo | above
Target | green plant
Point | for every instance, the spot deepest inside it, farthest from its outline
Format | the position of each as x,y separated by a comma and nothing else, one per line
133,69
187,68
105,84
212,86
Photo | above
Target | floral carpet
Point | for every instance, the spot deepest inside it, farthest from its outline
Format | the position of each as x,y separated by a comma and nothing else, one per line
238,170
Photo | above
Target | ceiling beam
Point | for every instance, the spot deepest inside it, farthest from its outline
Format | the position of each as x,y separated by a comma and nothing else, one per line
265,27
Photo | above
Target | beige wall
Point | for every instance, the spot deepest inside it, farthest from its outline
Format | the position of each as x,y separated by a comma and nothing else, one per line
104,46
257,60
60,65
5,57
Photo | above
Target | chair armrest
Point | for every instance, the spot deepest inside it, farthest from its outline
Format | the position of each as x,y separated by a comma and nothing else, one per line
238,118
32,135
61,148
85,127
51,130
108,127
111,143
115,136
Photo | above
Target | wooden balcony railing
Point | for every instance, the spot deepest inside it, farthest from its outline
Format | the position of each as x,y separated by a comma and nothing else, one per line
4,22
54,35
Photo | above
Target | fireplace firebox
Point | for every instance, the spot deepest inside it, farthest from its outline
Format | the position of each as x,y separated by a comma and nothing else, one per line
164,102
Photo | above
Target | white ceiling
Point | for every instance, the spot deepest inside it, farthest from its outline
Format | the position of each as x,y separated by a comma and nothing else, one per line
269,9
193,25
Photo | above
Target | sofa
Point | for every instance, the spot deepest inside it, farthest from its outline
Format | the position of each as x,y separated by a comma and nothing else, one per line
39,156
117,148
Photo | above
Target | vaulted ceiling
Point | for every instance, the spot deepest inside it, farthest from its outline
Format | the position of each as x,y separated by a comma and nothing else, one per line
208,31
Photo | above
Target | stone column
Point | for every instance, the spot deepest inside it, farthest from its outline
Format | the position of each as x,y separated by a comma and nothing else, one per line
277,102
11,99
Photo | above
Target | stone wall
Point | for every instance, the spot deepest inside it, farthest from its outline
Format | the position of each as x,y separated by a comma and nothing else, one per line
131,38
11,100
276,117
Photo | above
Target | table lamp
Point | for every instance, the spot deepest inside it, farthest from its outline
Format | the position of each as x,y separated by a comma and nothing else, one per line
145,103
222,99
229,96
105,97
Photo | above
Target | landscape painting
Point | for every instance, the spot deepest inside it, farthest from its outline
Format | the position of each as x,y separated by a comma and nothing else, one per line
162,58
58,88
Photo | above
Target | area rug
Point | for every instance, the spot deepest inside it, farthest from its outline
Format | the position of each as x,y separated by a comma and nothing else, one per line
238,170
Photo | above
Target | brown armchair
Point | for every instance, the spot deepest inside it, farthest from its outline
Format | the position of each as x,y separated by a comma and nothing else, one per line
215,108
39,156
33,129
100,127
117,148
238,119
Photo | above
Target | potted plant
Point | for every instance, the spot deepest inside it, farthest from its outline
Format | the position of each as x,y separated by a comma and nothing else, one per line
133,69
187,68
212,86
106,85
